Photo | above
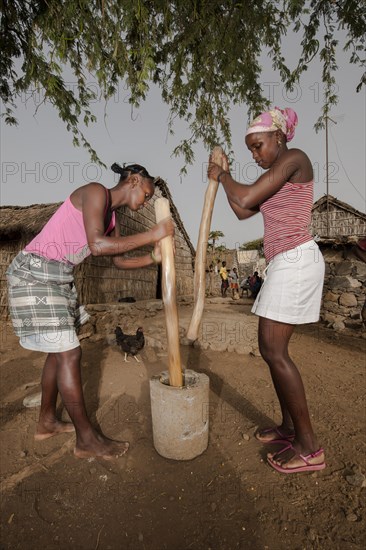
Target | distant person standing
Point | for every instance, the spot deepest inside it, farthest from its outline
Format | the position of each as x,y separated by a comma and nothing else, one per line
224,279
211,272
234,283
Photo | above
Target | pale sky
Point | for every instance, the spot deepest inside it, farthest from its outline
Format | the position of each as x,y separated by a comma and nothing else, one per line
40,165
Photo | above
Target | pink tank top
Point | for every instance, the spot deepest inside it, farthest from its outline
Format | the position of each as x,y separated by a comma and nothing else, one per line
287,217
63,238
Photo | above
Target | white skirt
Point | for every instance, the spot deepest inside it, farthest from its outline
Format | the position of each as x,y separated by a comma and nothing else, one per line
292,289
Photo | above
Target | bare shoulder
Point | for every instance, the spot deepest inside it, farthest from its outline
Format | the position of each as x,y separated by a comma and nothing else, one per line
299,153
295,154
298,166
92,192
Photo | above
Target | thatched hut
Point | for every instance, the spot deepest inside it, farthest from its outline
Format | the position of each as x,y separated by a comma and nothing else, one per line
97,280
333,218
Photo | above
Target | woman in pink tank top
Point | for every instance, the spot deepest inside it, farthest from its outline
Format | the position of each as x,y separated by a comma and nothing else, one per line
292,290
42,299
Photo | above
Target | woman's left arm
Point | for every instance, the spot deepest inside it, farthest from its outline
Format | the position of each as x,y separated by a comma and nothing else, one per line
243,213
132,263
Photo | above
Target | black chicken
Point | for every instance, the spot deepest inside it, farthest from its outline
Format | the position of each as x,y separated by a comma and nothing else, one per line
131,344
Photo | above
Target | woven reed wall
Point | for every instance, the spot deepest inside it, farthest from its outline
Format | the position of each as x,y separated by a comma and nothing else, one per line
98,281
8,250
341,222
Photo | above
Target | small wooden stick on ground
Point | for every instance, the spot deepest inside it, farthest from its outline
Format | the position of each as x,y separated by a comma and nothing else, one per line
201,253
162,211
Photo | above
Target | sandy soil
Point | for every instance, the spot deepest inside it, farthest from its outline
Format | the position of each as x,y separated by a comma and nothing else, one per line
228,498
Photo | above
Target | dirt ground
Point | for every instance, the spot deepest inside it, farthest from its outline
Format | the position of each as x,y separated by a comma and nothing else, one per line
228,498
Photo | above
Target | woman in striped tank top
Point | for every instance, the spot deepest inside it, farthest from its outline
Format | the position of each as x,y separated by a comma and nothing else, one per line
291,293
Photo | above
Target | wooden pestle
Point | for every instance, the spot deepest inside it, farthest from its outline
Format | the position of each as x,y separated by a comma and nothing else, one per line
199,280
162,210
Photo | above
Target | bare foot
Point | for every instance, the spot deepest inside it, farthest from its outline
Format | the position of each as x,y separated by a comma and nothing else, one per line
44,431
101,447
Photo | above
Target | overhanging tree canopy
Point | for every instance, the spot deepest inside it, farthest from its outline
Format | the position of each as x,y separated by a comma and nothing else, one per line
203,54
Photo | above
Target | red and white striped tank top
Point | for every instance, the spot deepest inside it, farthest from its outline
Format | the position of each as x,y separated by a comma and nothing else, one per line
287,216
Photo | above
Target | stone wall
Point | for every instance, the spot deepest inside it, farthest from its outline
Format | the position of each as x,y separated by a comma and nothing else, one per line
105,317
344,291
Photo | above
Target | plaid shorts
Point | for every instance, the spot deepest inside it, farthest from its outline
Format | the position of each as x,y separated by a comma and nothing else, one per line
43,300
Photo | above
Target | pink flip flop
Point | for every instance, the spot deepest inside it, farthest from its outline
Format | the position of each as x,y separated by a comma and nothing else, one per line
287,445
281,439
307,467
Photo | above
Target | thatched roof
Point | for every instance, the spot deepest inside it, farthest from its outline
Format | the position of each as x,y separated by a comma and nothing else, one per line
162,185
18,221
21,221
321,204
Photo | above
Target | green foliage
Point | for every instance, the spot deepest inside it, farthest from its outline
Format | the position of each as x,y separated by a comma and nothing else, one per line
203,54
253,245
212,238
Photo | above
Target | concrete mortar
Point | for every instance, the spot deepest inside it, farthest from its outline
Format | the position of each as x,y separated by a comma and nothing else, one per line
180,416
